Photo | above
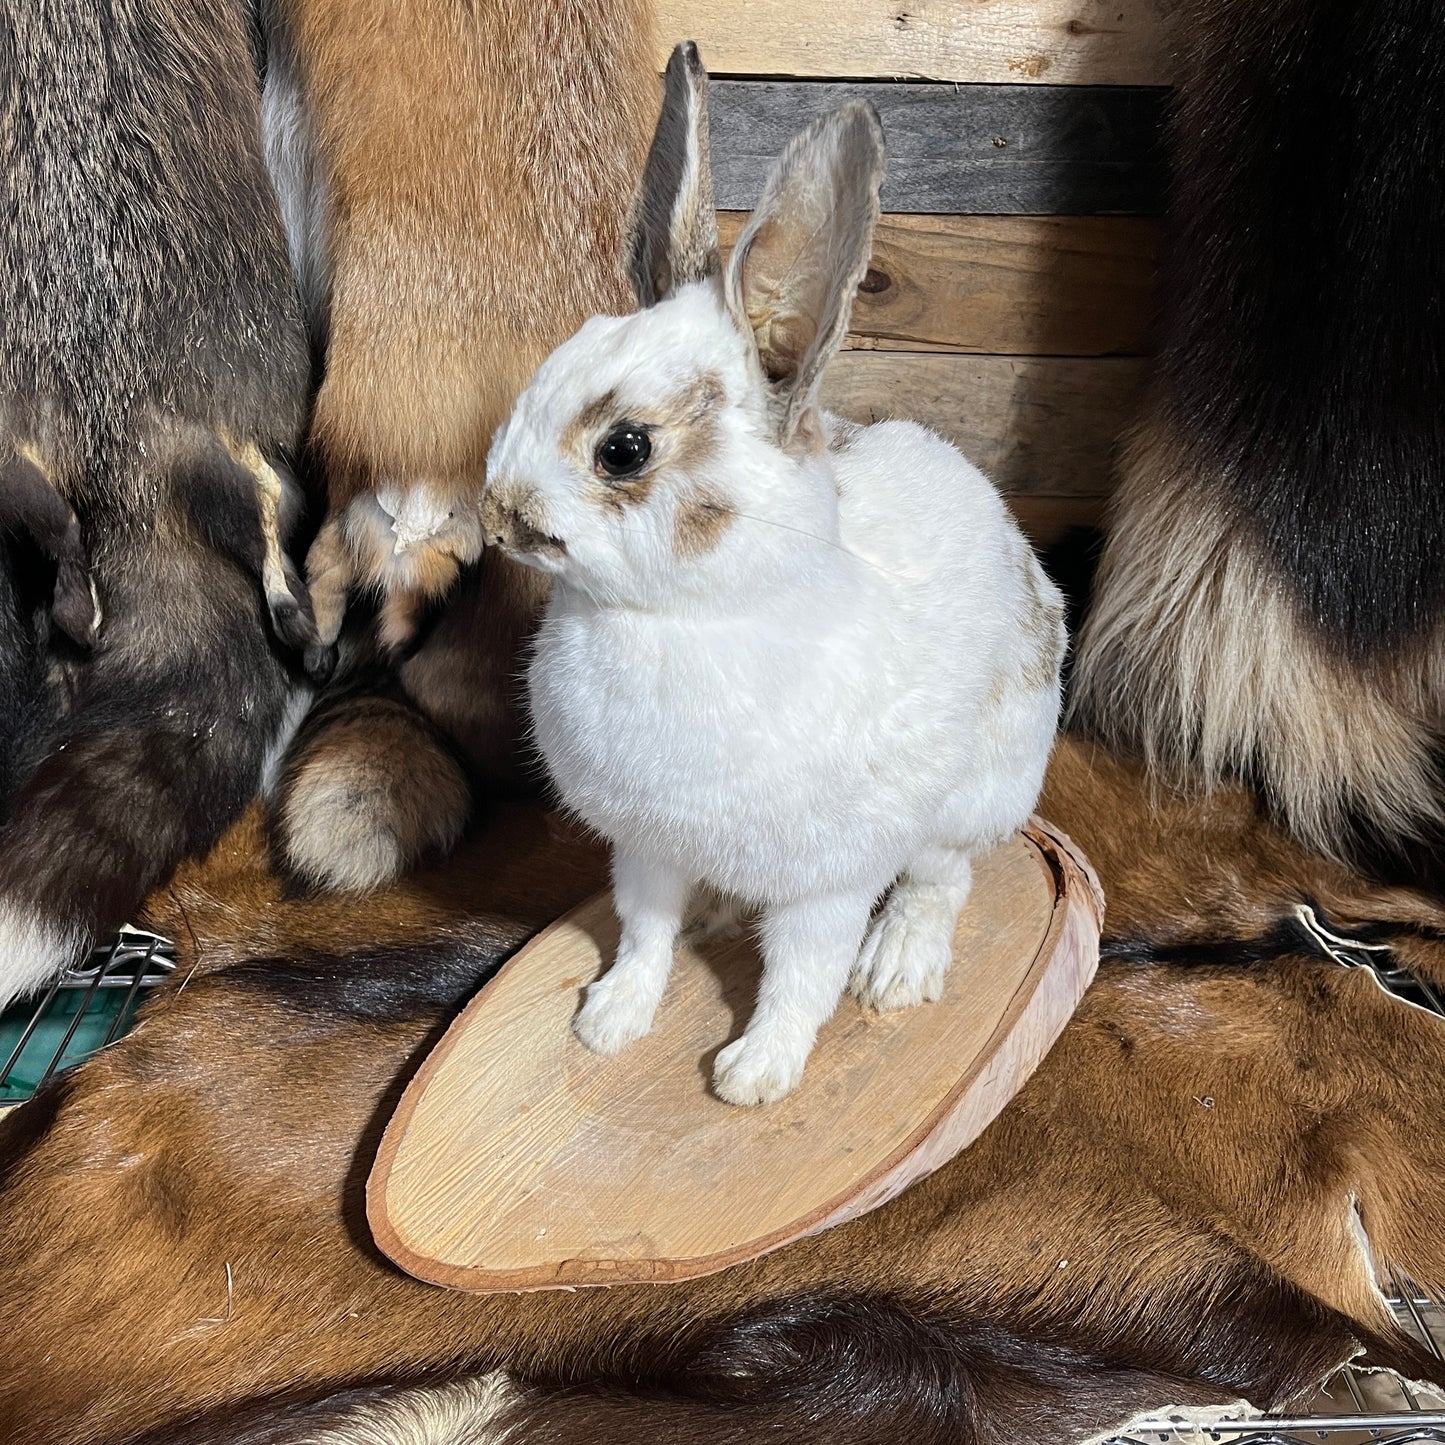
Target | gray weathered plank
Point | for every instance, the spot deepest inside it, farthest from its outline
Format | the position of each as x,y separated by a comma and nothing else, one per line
1072,150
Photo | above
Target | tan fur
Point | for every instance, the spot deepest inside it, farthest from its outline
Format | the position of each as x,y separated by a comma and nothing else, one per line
785,284
1199,1134
615,495
1045,629
335,796
579,436
700,523
683,434
478,162
474,229
268,506
513,519
1194,655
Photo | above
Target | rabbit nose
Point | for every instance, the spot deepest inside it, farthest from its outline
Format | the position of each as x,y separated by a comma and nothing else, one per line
515,522
499,519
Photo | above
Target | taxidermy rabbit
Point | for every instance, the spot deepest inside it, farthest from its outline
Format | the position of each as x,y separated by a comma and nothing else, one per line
153,386
792,659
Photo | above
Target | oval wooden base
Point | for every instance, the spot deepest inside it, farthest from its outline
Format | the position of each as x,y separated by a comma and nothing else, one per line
518,1160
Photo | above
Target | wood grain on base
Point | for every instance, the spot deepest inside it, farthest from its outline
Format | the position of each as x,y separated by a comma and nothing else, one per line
518,1160
1060,42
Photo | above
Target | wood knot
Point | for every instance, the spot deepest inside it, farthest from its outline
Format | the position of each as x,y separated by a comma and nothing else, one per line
874,282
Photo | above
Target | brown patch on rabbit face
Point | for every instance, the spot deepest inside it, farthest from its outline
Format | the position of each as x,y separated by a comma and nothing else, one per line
682,428
691,417
615,494
578,438
700,523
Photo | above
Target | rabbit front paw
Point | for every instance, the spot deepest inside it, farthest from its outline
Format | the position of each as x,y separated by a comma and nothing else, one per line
758,1068
906,954
616,1013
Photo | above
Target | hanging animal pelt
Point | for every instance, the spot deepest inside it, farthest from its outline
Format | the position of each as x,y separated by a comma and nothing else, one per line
153,382
459,176
1185,1205
1271,600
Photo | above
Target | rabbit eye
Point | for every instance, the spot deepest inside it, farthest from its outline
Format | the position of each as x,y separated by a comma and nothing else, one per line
624,451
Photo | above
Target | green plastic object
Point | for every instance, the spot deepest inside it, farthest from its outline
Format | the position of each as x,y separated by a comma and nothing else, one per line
98,1016
90,1007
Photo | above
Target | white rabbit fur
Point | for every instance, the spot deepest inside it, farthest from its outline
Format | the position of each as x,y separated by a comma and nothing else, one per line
793,666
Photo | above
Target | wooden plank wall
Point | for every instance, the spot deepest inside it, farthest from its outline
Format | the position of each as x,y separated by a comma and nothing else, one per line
1009,299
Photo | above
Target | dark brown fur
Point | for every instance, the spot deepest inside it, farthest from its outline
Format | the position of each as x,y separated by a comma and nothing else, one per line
154,377
1163,1214
1271,603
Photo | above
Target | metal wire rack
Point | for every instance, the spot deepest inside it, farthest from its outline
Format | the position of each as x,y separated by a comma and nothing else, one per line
94,1003
1355,1407
86,1009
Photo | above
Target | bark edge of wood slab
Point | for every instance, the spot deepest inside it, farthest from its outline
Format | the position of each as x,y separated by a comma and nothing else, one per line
518,1160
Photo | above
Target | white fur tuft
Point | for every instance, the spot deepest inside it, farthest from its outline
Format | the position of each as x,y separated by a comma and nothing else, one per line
34,949
462,1412
1195,655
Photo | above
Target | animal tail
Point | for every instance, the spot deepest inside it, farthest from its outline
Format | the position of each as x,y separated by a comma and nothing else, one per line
1194,657
1271,604
370,787
166,740
849,1369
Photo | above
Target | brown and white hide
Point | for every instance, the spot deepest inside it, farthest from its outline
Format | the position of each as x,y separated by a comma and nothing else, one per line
1175,1210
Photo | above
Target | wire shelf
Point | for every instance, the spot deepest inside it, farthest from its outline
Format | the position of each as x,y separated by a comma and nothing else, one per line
1370,1407
88,1008
94,1003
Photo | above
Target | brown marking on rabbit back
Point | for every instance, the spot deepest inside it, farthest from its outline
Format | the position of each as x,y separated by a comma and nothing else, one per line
700,523
1041,626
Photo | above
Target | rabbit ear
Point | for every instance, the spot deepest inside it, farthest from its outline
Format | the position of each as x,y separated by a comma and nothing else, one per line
672,228
798,262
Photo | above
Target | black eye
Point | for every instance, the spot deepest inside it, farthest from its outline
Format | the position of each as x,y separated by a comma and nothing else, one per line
624,451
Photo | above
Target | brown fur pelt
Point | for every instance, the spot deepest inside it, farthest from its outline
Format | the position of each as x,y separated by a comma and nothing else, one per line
1168,1213
458,189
